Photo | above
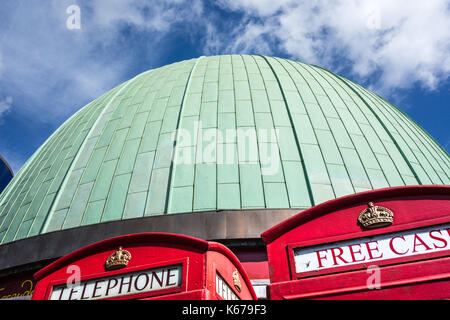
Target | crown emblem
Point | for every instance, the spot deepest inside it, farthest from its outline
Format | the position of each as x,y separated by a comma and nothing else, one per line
237,281
375,217
118,259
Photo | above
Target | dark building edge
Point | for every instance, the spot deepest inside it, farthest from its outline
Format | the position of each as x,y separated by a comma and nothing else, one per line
234,228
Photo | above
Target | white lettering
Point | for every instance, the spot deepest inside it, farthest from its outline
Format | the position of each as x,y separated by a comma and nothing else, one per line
223,290
119,285
366,250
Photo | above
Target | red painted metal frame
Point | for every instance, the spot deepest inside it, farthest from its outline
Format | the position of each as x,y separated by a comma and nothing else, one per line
363,265
182,287
336,220
171,250
218,264
254,261
218,297
142,239
356,199
423,278
229,259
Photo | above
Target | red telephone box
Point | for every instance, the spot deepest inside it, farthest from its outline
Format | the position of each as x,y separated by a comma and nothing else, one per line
384,244
146,266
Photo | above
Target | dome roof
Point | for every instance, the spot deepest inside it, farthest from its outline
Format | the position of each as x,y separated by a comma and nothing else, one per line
159,144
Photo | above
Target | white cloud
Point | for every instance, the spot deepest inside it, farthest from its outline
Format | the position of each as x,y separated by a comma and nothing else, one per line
154,15
402,42
247,37
57,70
5,106
261,8
52,71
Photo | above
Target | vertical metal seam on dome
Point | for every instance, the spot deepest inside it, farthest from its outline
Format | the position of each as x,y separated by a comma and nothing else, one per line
21,171
116,166
276,137
442,162
411,136
180,116
12,185
422,136
384,127
441,154
373,105
217,130
364,100
50,161
198,137
225,142
384,112
350,135
329,127
256,137
165,79
236,127
78,187
390,110
334,138
305,172
382,142
359,127
113,176
79,183
312,126
157,143
34,171
57,192
34,165
153,73
33,168
82,114
420,128
74,161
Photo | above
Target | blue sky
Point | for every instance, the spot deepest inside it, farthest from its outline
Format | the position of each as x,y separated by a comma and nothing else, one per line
399,49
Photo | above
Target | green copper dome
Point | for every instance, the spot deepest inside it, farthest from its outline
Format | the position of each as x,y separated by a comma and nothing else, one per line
117,157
